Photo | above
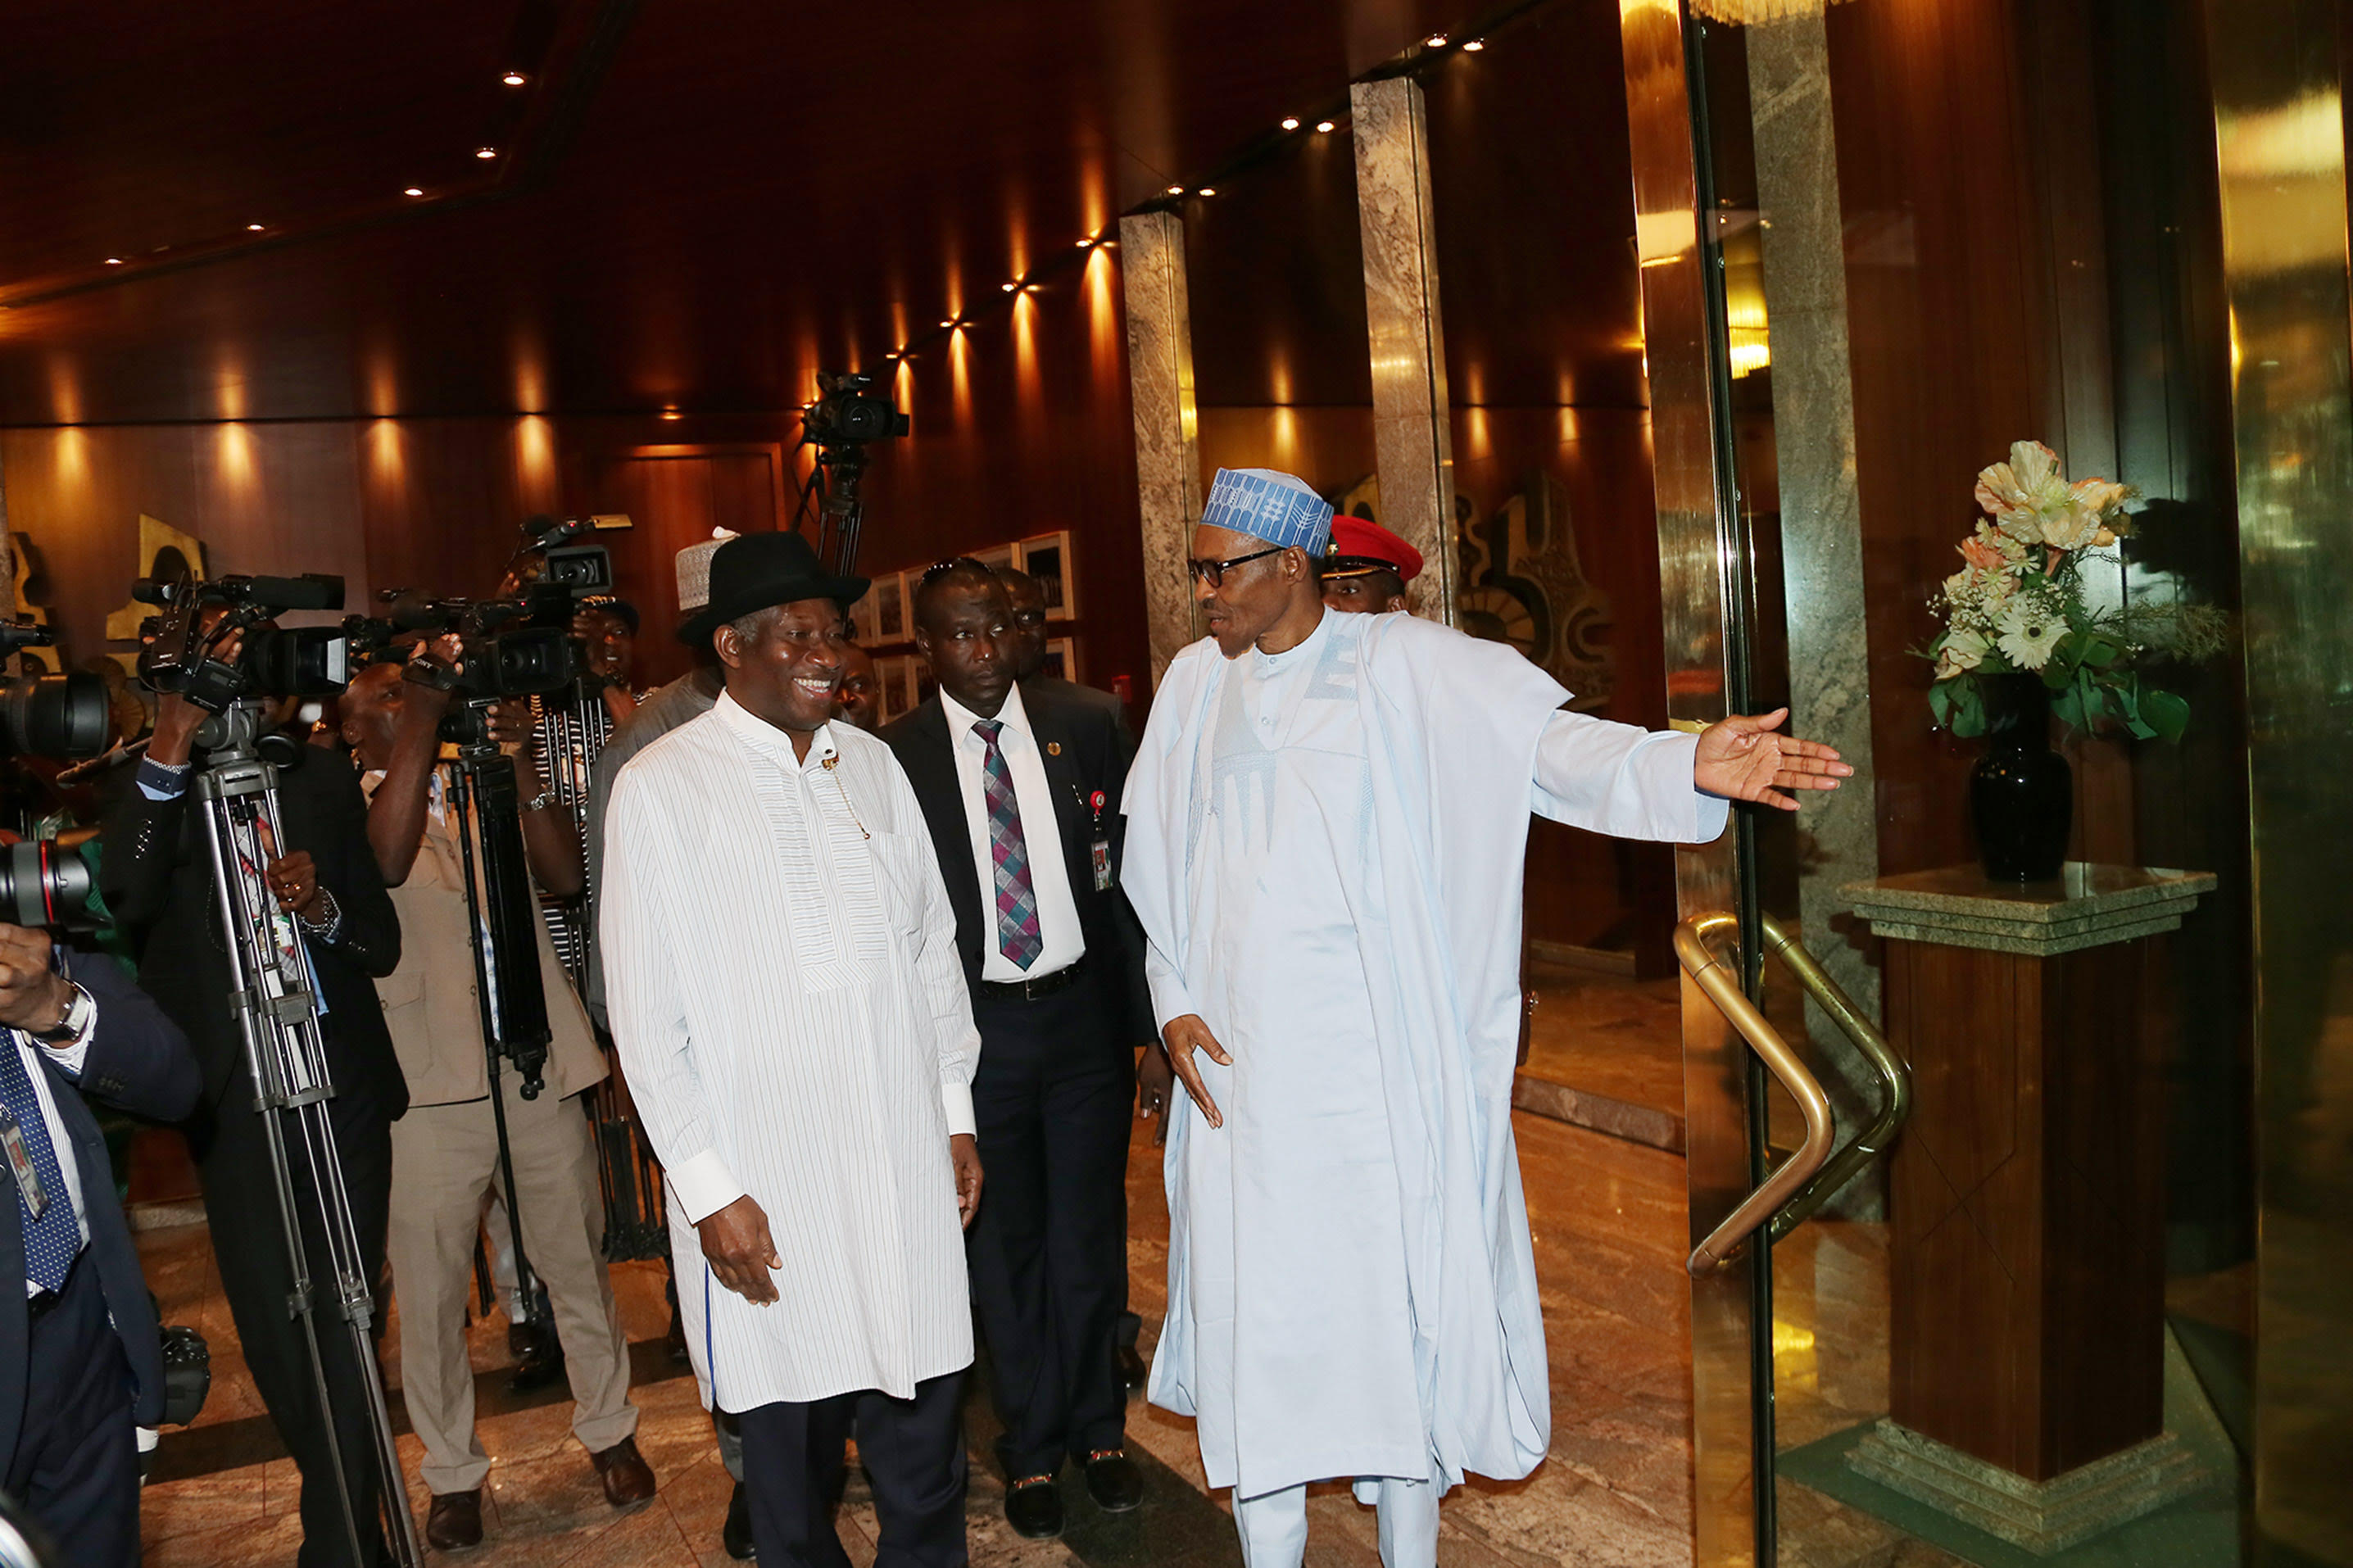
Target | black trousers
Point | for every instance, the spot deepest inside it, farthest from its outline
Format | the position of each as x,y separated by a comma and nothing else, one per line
912,1450
75,1468
249,1245
1048,1249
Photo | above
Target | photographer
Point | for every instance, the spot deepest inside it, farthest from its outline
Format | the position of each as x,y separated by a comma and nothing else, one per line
81,1363
157,878
445,1153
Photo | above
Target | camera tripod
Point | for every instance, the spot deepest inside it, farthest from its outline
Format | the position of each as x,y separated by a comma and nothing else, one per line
508,988
274,993
572,728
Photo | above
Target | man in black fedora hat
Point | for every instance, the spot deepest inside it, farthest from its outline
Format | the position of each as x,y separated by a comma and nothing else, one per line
782,982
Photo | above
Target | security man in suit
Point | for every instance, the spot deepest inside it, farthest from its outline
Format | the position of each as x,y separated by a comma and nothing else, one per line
1020,789
81,1366
157,878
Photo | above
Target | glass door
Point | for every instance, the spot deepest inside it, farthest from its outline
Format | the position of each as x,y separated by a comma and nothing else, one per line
1968,1165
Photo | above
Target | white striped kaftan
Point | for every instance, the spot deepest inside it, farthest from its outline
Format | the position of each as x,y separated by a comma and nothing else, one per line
782,982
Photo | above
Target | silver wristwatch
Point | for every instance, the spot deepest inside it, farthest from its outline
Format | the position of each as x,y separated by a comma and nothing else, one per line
72,1022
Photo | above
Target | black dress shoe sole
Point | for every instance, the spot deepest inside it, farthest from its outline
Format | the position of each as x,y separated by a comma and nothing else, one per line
1042,1531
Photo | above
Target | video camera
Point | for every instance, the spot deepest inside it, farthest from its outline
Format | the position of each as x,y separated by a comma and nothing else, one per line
848,408
182,658
520,643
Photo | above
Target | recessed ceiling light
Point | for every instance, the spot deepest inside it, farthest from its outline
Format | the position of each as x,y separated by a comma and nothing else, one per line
1436,40
1175,190
1290,122
1089,239
253,229
513,78
114,261
1323,125
1209,190
1011,288
1474,45
486,152
672,414
412,191
949,322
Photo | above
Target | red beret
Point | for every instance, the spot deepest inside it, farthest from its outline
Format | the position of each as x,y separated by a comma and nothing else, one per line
1361,546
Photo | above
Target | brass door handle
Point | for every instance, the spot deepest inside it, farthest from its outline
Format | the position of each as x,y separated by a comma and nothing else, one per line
1894,1079
1755,1211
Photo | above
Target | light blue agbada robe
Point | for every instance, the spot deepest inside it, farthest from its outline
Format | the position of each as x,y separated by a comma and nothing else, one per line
1324,848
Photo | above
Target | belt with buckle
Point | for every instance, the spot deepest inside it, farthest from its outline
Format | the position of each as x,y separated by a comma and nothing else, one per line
1036,990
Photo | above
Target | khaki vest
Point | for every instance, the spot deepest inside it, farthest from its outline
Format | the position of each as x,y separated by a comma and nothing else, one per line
430,1002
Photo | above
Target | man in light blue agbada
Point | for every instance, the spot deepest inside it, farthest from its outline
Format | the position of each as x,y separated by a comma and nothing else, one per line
1326,826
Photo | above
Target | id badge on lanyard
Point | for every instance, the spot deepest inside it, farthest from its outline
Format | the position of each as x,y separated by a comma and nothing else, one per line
20,1159
1100,851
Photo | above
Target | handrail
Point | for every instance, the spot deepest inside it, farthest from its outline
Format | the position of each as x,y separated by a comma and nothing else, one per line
1755,1211
1894,1077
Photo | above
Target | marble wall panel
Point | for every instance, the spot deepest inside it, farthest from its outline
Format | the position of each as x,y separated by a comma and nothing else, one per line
1167,425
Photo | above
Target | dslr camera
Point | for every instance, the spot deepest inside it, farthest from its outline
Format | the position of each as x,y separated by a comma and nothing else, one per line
185,656
61,717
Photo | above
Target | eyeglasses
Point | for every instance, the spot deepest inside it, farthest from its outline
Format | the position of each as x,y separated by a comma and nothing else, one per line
1213,573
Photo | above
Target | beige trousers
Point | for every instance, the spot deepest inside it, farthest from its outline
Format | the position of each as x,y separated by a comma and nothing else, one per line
444,1158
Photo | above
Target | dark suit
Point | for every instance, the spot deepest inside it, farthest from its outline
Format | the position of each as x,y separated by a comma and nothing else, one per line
1052,1096
74,1383
158,880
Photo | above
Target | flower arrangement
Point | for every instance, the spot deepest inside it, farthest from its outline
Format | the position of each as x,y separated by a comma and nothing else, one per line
2017,607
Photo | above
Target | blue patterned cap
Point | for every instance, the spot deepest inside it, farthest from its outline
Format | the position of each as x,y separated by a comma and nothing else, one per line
1271,506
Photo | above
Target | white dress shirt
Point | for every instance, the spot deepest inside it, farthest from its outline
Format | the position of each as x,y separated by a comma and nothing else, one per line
70,1058
1041,831
782,976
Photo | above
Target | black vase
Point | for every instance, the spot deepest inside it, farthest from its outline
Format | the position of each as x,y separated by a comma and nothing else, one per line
2022,793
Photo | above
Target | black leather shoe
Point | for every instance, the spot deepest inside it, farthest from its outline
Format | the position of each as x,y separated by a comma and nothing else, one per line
1114,1481
736,1535
1131,1370
1033,1507
455,1521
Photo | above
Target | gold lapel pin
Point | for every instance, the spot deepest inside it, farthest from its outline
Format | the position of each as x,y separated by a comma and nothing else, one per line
1053,748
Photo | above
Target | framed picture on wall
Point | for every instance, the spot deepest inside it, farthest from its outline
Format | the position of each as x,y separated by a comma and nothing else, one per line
862,618
1062,659
998,557
1046,558
887,610
897,675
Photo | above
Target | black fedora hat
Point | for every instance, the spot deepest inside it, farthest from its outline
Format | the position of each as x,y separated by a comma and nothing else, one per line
758,570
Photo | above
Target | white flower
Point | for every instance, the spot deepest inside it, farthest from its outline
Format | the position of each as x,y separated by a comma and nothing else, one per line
2030,628
1961,651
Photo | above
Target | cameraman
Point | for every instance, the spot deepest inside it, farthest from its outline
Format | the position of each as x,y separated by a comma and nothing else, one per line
81,1362
157,878
445,1153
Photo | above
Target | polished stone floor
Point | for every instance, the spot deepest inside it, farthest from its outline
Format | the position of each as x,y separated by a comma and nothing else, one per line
1610,1231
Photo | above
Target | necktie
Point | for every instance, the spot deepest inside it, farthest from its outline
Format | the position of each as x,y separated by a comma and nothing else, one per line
1018,936
50,1241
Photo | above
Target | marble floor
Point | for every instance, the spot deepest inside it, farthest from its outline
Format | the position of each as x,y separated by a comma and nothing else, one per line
1608,1217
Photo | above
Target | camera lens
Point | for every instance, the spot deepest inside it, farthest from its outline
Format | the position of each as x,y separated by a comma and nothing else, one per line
55,715
41,884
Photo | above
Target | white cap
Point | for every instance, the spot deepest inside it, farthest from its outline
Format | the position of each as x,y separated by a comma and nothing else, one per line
694,571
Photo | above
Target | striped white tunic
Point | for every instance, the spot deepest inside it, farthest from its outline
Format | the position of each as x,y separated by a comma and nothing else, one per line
782,982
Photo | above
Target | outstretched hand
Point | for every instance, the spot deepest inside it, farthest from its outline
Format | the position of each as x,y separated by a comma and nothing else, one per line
1741,758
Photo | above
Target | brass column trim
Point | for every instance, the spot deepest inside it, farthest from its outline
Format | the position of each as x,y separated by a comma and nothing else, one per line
1695,544
2279,113
1167,424
1413,447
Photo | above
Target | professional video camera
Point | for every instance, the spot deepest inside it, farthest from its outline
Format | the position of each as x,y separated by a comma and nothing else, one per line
848,417
183,657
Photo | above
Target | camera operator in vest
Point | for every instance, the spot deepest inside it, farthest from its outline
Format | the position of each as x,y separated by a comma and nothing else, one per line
446,1151
157,875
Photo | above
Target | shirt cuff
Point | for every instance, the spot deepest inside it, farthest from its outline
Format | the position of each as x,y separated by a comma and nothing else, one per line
705,1186
956,1098
163,781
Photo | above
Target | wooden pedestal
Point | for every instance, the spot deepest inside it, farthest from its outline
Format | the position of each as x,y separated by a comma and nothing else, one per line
2027,1236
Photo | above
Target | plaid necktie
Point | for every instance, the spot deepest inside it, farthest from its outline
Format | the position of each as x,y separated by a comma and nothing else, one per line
52,1241
1018,935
